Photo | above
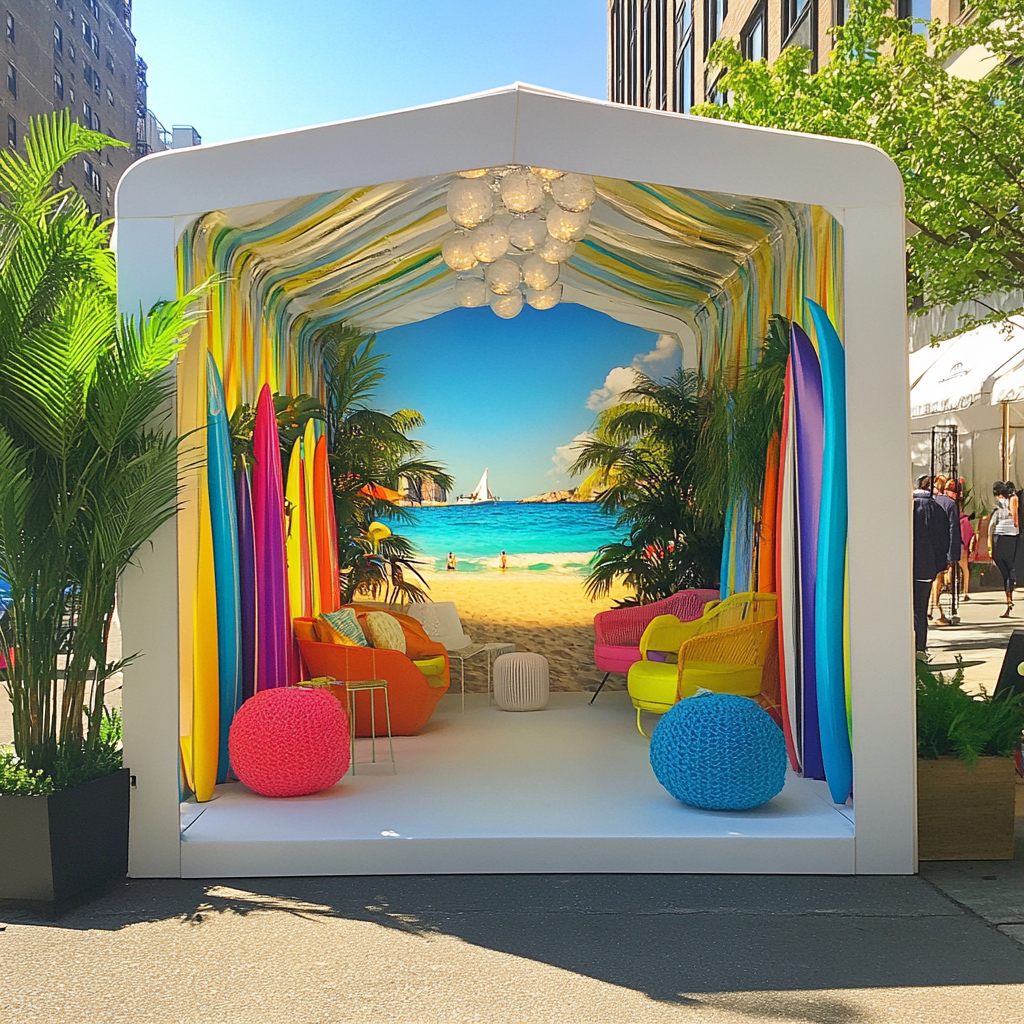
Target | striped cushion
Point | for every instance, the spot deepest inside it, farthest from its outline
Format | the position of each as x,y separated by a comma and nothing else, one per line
340,627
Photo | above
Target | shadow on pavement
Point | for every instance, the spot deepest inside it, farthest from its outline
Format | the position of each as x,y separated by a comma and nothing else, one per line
672,937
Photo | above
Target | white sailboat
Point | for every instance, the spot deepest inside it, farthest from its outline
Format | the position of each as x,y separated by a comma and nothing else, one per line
480,495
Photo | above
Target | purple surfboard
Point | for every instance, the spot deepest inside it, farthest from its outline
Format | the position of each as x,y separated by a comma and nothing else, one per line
273,624
247,579
810,442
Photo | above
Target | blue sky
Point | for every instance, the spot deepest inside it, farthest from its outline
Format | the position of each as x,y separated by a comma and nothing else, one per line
509,394
235,68
504,394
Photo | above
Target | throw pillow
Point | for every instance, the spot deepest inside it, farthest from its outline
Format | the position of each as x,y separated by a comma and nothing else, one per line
341,627
385,631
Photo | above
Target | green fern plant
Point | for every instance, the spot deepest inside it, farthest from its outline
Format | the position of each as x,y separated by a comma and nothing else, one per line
951,721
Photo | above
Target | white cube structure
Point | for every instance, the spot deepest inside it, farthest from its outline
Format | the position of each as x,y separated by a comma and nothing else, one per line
521,681
702,228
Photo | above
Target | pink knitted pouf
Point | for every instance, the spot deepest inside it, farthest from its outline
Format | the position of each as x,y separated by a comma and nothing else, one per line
290,741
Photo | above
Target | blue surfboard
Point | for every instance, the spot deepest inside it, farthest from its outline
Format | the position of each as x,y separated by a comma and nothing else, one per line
831,584
224,520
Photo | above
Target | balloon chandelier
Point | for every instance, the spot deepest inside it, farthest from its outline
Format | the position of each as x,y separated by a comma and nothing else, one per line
515,226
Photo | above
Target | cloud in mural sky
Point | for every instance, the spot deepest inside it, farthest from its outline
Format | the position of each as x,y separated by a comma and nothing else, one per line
621,378
566,454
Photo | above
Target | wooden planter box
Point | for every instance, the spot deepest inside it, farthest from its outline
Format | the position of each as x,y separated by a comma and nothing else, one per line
965,813
59,851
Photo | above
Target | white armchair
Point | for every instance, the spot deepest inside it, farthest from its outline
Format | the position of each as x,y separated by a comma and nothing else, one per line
440,621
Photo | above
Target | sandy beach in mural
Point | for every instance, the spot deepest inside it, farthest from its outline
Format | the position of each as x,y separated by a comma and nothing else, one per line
544,614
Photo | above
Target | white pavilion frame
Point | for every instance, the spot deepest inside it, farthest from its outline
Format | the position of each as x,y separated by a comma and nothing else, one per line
160,196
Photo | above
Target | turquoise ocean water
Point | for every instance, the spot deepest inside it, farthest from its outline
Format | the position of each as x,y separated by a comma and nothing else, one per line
537,538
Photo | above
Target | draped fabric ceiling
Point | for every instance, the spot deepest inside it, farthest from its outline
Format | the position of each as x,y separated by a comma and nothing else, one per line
696,265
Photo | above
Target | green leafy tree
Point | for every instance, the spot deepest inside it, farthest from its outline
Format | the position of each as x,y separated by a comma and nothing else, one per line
957,142
88,467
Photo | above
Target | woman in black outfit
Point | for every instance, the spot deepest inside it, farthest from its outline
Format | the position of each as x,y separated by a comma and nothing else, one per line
1002,542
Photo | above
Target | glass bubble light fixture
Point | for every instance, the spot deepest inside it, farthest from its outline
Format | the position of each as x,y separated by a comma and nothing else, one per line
503,277
470,202
526,233
544,298
457,251
554,250
522,191
489,242
507,306
574,192
538,273
567,226
521,223
471,292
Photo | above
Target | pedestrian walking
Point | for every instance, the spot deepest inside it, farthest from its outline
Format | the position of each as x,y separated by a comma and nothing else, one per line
1002,540
931,555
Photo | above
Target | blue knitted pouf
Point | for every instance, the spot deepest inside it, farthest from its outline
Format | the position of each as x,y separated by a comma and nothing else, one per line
719,752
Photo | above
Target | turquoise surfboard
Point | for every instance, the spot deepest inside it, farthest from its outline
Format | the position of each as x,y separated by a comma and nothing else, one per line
224,520
831,583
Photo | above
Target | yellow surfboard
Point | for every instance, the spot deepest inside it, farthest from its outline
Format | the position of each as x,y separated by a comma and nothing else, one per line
200,749
308,452
294,505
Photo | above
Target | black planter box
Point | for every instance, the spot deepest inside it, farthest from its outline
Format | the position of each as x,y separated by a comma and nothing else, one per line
59,851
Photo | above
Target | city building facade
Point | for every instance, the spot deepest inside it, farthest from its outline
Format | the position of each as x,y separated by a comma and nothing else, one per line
658,49
79,55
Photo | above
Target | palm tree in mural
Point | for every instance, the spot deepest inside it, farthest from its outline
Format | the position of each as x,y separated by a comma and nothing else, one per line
88,465
666,458
641,465
740,417
371,456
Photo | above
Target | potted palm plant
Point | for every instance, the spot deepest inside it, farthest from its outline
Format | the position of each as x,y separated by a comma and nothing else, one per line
966,773
88,471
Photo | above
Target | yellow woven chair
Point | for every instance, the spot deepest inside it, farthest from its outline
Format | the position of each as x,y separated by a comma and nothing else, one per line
732,648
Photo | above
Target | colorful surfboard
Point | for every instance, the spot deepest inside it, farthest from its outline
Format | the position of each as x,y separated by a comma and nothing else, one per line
766,544
323,497
201,746
831,584
224,529
787,578
273,624
810,427
308,459
293,493
246,581
332,529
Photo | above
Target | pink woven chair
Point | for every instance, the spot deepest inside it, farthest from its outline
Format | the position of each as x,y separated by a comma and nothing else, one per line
619,630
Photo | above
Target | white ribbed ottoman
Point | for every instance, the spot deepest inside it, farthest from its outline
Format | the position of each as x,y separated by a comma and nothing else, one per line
521,681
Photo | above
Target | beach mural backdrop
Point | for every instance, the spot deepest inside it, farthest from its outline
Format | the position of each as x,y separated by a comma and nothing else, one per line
511,397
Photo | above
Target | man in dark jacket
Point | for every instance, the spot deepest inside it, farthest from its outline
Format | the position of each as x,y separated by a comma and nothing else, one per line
937,489
931,555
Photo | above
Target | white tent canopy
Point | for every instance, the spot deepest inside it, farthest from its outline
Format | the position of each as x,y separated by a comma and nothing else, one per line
985,365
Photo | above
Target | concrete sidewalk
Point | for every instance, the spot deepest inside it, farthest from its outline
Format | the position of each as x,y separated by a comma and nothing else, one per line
521,949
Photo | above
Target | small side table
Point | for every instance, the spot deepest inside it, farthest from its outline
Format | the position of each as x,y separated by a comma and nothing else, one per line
493,651
353,687
464,654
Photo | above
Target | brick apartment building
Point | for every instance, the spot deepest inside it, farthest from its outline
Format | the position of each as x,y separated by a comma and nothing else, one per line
79,55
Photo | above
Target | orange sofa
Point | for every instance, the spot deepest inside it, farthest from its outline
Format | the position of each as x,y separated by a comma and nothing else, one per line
412,695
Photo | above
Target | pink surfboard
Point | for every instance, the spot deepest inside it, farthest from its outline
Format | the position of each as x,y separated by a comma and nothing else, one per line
273,622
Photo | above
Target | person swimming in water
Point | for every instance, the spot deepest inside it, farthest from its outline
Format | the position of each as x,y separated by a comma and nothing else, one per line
503,562
452,563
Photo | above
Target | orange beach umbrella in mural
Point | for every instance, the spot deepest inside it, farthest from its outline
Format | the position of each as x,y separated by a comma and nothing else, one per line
380,493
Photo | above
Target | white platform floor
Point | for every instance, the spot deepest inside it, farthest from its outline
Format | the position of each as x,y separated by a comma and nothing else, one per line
567,789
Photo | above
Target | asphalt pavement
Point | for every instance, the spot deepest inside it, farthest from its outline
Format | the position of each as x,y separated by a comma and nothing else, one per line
515,948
